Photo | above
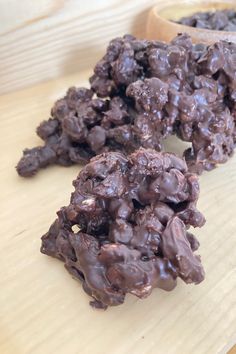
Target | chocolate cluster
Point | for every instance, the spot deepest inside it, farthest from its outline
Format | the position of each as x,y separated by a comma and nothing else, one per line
126,229
221,20
142,92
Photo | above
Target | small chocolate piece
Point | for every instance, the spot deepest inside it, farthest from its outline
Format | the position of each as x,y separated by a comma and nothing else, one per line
220,20
141,93
125,229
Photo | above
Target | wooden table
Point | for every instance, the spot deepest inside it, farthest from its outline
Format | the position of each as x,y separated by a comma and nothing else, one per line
44,311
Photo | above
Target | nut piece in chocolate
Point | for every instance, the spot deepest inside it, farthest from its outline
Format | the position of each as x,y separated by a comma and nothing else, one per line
141,93
126,229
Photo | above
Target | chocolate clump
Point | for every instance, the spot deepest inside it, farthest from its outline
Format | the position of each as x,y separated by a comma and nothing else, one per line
126,229
220,20
142,92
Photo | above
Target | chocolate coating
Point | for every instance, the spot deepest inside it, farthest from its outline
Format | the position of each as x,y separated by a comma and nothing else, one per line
126,227
221,20
141,93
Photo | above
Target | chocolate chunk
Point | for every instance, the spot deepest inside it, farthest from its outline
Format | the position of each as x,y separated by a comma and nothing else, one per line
177,248
125,229
148,91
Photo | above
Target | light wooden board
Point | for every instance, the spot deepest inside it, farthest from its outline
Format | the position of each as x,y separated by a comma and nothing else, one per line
41,40
44,311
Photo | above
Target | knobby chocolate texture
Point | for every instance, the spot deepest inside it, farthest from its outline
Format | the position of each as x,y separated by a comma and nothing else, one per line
142,92
126,227
221,20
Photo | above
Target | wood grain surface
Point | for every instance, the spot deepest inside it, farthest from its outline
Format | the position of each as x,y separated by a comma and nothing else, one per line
41,40
44,311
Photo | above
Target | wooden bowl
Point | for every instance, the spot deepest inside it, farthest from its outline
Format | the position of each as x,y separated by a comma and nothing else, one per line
160,26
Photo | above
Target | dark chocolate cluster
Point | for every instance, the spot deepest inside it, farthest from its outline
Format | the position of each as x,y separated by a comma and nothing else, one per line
126,227
221,20
142,92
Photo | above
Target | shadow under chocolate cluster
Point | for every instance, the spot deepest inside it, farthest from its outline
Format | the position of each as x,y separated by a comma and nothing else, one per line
126,227
142,92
